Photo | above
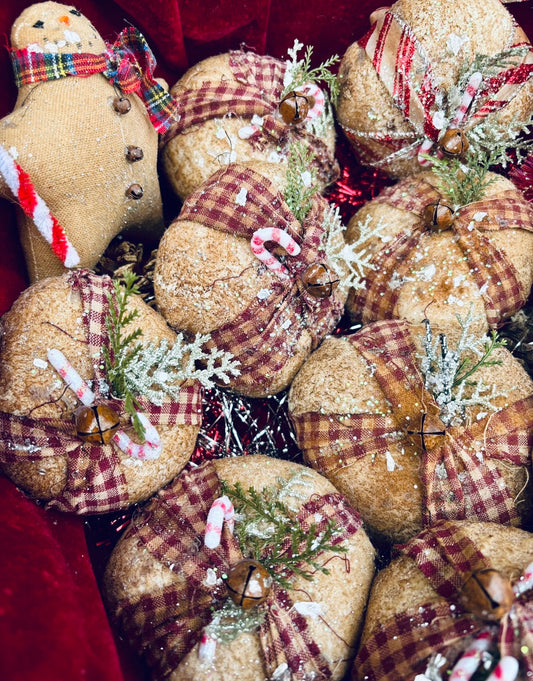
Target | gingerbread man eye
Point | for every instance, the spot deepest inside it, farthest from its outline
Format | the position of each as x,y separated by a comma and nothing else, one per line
75,12
38,24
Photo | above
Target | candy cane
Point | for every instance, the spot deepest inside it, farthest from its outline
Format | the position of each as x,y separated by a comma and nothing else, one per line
312,90
207,648
278,236
468,95
469,661
35,208
525,582
71,377
505,670
151,449
221,511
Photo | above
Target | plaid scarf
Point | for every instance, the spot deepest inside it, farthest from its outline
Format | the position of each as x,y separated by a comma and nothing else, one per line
95,483
404,68
264,337
400,647
493,272
468,485
128,63
167,623
258,92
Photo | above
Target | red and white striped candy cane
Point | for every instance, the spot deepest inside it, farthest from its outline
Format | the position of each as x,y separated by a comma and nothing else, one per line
470,659
221,511
207,648
312,90
525,582
505,670
278,236
71,377
151,449
35,208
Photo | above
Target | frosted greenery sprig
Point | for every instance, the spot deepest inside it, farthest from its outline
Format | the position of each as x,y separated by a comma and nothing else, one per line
448,371
123,348
268,531
301,181
299,71
231,621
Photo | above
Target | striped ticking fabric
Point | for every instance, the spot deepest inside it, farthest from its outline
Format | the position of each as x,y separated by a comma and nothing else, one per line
496,276
257,92
469,485
95,483
400,647
128,63
265,335
167,623
406,71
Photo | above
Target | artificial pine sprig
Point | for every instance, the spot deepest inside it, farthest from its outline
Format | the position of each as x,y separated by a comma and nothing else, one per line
299,71
301,181
269,532
123,348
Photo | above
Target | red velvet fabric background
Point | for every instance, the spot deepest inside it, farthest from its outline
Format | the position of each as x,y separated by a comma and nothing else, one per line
53,626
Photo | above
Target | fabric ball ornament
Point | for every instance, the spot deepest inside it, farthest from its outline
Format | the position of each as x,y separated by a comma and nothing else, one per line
71,460
406,446
208,280
232,110
64,147
169,592
425,67
422,259
418,623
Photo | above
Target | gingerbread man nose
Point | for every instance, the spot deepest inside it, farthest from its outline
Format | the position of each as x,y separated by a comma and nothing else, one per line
64,20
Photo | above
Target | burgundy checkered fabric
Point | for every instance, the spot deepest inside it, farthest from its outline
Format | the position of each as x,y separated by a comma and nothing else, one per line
95,483
405,70
257,92
167,623
496,276
264,337
400,647
468,484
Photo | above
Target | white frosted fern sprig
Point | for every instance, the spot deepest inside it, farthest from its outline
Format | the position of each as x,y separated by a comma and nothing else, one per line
351,261
448,371
158,371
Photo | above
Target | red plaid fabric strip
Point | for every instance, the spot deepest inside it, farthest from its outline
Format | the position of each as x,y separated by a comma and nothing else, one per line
95,483
167,623
129,63
264,336
404,68
494,273
460,478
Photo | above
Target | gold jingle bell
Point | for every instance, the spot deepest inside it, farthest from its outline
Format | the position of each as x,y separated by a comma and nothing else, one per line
438,216
294,107
488,594
96,424
318,282
248,583
453,143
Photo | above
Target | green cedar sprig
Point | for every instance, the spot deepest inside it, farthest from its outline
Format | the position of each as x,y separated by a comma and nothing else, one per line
467,366
301,181
269,532
123,348
302,73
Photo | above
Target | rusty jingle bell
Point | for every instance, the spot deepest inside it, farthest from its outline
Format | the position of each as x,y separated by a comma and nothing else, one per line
96,424
487,594
122,105
428,429
438,216
248,583
318,282
294,107
453,143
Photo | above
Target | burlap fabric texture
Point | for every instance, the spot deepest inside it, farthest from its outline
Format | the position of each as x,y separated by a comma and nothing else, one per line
264,336
502,290
405,70
458,471
94,482
167,623
400,647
